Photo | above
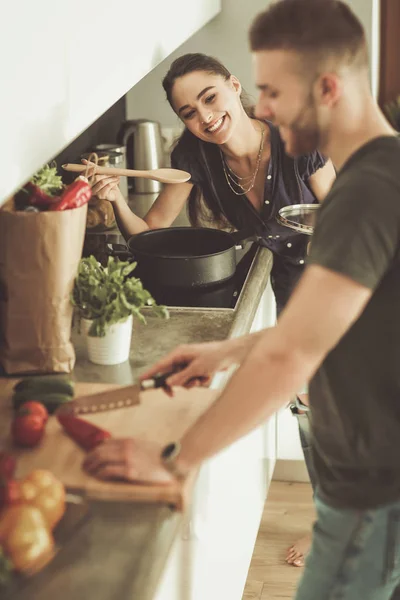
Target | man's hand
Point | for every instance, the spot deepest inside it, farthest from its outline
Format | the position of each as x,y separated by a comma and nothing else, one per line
195,364
130,460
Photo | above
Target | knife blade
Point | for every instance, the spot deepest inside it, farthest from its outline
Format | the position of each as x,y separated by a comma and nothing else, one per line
112,399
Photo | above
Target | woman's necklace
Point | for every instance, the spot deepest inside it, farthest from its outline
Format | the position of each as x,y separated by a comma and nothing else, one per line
245,184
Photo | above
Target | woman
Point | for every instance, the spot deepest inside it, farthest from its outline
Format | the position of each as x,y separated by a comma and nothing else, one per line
241,177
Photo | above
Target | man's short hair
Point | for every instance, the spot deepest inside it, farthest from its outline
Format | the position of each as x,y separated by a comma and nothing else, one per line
317,30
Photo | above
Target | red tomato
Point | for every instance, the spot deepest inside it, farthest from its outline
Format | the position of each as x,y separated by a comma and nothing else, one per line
34,408
27,430
7,466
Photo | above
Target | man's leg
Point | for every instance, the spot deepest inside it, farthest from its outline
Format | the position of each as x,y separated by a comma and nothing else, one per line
355,555
298,551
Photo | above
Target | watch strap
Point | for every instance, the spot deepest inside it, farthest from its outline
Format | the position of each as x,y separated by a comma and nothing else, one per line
169,455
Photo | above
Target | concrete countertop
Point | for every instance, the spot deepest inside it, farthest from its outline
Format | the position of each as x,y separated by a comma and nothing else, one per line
120,549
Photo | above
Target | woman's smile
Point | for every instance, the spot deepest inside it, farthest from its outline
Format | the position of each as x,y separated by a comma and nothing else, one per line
216,126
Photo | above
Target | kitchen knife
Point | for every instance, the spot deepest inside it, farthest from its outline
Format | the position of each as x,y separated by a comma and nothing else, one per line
112,399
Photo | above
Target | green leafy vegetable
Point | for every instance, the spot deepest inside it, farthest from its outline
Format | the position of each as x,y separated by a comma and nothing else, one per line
48,180
110,294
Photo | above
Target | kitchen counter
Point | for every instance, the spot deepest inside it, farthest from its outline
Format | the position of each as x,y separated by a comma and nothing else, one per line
120,549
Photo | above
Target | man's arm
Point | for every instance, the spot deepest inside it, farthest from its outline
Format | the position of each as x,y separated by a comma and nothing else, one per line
323,307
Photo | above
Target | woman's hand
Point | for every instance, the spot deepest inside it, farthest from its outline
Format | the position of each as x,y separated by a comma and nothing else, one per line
195,364
105,187
128,459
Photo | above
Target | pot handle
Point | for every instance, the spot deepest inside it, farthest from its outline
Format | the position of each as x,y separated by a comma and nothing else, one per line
244,237
119,251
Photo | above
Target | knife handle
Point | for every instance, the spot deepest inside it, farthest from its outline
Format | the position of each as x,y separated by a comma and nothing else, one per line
157,381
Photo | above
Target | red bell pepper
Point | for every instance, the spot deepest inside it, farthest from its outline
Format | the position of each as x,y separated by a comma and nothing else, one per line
85,434
75,195
39,198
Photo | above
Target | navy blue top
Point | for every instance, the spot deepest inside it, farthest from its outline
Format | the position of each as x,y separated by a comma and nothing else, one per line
286,183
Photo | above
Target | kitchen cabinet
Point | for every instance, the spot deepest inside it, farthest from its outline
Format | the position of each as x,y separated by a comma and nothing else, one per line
211,557
288,446
63,68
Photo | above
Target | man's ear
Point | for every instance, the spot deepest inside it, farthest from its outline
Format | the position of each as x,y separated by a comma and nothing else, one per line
328,89
236,84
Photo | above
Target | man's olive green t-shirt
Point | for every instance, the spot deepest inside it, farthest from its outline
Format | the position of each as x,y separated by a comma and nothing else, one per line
355,394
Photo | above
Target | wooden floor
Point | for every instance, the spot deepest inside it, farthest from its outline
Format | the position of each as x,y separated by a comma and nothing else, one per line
288,515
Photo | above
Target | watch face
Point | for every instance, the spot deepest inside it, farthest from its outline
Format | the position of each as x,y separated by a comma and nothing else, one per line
168,456
168,451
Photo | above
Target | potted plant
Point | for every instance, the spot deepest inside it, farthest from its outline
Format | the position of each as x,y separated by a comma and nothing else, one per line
107,299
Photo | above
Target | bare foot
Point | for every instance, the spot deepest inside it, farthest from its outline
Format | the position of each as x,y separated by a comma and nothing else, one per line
297,553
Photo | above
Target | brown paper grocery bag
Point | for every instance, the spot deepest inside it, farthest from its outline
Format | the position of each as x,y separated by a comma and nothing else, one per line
39,256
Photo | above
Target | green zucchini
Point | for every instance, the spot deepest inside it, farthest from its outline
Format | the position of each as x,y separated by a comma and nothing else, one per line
46,384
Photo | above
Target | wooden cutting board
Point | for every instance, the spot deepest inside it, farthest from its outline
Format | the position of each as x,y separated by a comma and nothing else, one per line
157,418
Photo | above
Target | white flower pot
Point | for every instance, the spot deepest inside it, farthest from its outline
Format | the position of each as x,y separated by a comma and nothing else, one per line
114,347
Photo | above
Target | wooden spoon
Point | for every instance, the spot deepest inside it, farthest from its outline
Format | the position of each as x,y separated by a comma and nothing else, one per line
161,175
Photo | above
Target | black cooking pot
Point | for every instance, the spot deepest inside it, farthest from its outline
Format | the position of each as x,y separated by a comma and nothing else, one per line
220,295
185,257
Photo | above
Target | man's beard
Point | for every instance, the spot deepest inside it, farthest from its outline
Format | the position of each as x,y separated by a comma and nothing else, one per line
305,136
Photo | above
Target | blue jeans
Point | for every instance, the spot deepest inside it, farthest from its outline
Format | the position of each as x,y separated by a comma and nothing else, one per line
355,555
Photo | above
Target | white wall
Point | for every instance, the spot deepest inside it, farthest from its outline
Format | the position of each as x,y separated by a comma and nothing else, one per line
368,11
63,65
225,37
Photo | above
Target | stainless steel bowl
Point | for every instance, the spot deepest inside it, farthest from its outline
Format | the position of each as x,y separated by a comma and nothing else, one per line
300,217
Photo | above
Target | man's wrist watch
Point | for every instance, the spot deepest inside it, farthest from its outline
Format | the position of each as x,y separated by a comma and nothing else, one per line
169,455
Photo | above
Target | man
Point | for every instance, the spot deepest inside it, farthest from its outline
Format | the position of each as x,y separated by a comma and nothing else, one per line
341,328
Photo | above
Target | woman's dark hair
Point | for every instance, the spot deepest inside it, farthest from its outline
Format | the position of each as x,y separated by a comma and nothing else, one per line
188,63
190,144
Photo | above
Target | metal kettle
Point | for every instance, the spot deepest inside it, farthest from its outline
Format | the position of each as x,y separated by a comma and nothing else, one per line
144,150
